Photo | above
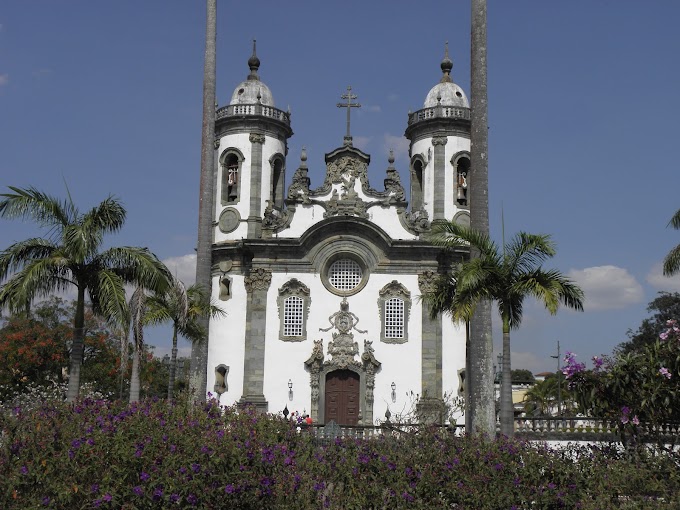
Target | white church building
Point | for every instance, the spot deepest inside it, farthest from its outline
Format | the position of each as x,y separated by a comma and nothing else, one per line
322,284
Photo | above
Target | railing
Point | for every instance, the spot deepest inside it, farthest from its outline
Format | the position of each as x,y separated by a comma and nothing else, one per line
450,112
553,428
240,110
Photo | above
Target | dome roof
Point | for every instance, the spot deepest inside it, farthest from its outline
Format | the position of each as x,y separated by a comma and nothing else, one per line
253,90
446,93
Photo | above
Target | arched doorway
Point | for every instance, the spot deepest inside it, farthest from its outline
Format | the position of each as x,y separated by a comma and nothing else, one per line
342,397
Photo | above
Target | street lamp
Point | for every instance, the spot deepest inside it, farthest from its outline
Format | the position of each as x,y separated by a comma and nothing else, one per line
559,381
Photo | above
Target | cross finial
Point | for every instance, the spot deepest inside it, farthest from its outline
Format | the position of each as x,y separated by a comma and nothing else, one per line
349,105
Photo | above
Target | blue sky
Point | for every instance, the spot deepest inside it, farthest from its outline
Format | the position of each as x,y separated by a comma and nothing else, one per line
583,102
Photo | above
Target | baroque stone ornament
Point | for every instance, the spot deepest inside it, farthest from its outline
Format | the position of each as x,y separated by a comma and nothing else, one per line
274,219
258,279
393,290
298,190
256,138
293,288
427,281
343,350
229,220
439,140
416,222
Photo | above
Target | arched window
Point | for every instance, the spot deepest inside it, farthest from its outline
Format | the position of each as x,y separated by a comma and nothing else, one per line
277,184
395,305
231,176
293,303
417,191
461,183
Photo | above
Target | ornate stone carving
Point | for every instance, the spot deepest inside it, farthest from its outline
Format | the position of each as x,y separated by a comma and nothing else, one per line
349,203
275,219
394,289
439,140
256,138
427,281
416,222
216,143
343,349
258,279
229,220
293,288
299,187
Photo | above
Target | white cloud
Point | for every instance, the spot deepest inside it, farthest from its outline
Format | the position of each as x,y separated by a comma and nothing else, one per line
398,143
4,79
361,142
375,108
656,279
607,287
183,267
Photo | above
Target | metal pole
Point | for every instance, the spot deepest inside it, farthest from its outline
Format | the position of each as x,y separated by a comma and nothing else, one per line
559,381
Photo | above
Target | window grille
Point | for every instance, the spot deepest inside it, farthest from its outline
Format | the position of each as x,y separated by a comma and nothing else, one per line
344,274
293,316
394,318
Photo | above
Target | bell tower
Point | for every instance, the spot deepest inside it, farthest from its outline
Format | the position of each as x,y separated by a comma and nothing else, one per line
440,151
251,141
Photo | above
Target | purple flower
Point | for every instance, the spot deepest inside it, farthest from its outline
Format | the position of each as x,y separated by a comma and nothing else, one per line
597,363
230,489
138,490
46,500
319,486
144,476
94,488
408,497
174,498
665,372
24,470
157,493
498,467
635,420
196,468
192,499
107,497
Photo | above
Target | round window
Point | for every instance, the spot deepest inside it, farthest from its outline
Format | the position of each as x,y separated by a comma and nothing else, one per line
345,275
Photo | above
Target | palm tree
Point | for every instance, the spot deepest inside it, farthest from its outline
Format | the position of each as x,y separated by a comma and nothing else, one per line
671,264
506,277
480,409
70,256
183,308
199,351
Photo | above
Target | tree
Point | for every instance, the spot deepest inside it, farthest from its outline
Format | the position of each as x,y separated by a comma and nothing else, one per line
506,277
666,306
522,376
183,308
542,398
199,351
71,256
480,408
671,264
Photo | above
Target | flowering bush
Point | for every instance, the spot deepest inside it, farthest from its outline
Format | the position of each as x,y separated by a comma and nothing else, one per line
154,454
638,390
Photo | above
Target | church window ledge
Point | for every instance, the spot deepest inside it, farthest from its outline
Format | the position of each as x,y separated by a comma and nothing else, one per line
293,305
394,304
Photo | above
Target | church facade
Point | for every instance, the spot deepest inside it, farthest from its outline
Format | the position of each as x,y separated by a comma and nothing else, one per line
322,285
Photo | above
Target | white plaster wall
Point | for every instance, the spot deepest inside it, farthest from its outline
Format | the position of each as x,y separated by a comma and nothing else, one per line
453,145
305,216
227,339
241,141
388,220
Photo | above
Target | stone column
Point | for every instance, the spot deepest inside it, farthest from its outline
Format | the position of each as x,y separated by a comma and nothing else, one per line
254,215
257,284
430,406
439,176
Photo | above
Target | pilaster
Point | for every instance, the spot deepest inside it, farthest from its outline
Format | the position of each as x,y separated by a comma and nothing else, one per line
257,284
439,178
254,217
431,342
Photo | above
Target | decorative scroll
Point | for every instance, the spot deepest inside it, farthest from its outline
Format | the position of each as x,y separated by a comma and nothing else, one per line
258,279
427,281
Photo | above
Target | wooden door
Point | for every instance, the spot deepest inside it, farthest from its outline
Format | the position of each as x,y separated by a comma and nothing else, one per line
342,397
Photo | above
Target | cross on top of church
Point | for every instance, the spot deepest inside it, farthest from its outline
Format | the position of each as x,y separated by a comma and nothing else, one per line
349,105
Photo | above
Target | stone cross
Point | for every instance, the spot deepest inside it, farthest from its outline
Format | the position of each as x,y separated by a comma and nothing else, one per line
349,105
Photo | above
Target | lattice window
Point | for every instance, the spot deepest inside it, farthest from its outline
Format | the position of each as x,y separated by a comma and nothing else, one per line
293,316
345,274
394,304
394,318
293,304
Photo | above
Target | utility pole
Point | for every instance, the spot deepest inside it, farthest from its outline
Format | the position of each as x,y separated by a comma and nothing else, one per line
559,381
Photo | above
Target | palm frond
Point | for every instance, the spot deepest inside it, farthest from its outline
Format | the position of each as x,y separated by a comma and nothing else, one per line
138,266
526,251
671,264
108,297
449,234
107,217
19,254
675,220
39,278
31,203
551,288
158,311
